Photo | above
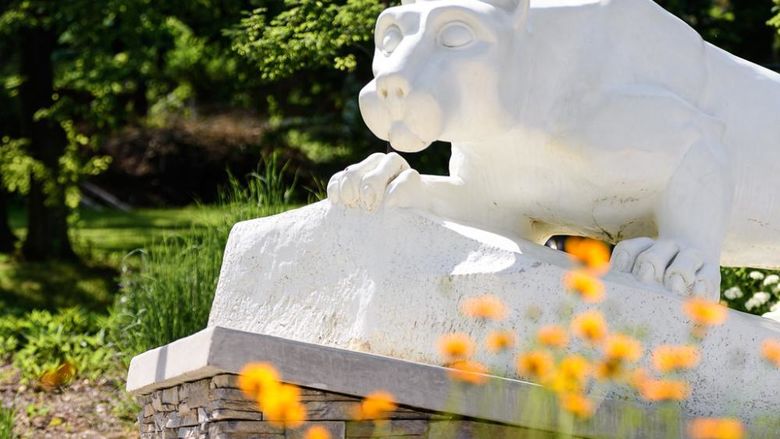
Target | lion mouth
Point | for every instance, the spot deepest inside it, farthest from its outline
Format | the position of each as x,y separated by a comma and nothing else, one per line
403,139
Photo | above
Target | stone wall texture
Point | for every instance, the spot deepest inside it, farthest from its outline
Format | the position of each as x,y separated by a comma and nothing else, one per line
214,408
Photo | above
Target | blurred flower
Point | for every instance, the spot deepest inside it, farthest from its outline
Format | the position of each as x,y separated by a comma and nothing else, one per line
622,347
498,341
255,377
577,404
553,336
771,279
571,375
664,390
590,326
317,432
376,406
487,306
733,293
281,405
589,252
704,312
756,275
456,346
588,287
770,349
716,428
638,378
668,358
775,307
537,364
471,372
608,369
58,376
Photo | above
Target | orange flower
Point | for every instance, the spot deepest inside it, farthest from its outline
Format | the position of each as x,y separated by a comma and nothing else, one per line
376,406
716,428
588,287
589,252
553,335
571,375
456,346
281,405
669,358
58,376
608,369
317,432
486,306
255,377
771,351
622,348
577,404
704,312
638,378
467,371
590,326
537,364
664,390
498,341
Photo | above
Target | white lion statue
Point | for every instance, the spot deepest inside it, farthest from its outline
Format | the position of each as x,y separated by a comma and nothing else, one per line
608,119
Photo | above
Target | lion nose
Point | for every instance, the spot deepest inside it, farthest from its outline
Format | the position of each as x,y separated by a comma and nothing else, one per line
392,86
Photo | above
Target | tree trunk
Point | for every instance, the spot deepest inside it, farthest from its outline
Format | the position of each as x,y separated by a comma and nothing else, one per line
7,237
47,214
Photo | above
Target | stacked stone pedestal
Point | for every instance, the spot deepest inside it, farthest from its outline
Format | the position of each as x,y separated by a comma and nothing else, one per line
214,408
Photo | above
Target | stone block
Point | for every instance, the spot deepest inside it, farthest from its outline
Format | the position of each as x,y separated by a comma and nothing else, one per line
195,393
390,428
170,396
244,427
336,429
224,381
239,415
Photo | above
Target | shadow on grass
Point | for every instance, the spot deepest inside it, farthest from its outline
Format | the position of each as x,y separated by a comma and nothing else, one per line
52,285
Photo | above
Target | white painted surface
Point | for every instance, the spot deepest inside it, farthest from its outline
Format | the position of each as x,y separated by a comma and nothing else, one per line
609,119
390,283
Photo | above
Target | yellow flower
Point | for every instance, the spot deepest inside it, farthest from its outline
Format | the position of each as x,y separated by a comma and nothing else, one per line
553,336
317,432
716,428
486,306
664,390
571,375
471,372
622,348
590,326
498,341
771,351
638,378
668,358
456,346
588,287
537,364
577,404
376,406
281,405
589,252
704,312
255,377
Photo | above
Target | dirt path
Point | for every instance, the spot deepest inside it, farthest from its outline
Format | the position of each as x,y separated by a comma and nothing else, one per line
83,409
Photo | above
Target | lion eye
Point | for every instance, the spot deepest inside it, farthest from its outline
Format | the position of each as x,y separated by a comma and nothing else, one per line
391,39
455,34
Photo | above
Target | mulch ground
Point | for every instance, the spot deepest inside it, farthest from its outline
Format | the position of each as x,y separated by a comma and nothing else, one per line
82,409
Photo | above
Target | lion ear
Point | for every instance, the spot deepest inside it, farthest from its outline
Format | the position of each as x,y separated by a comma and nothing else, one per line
518,8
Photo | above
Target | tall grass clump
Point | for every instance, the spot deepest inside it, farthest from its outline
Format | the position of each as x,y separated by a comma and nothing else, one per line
168,288
7,420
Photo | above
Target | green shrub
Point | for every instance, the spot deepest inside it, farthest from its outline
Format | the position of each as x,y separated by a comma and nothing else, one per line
751,290
40,341
169,294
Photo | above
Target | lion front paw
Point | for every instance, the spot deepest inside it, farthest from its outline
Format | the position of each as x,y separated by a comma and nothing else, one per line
379,178
683,270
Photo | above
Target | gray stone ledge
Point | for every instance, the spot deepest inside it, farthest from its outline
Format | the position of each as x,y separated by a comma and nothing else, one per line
217,350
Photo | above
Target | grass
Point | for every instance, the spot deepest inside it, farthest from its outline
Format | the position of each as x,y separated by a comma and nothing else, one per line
7,418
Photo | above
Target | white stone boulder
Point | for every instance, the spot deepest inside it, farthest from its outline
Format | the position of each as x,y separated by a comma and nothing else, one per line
391,282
